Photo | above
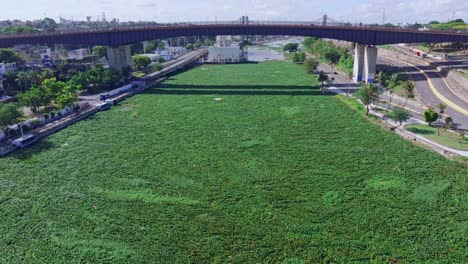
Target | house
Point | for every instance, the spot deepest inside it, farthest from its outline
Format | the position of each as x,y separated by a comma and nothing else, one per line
7,67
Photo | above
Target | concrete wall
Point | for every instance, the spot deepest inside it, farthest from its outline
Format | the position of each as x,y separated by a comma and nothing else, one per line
458,82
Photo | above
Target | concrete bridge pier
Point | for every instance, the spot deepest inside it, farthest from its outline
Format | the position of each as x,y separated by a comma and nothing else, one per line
119,57
365,60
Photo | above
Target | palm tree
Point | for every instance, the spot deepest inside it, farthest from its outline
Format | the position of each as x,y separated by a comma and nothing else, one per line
392,84
382,77
368,93
408,86
398,115
442,108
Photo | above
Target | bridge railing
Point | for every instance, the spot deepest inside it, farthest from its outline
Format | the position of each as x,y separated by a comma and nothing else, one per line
153,25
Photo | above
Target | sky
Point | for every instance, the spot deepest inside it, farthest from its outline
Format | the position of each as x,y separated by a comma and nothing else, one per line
367,11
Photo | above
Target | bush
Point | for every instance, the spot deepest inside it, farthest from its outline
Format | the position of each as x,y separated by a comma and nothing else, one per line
299,57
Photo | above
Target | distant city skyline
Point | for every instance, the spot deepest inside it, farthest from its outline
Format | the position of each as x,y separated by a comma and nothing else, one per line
367,11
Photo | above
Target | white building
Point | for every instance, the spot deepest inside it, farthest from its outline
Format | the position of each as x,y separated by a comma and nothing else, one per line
78,54
224,51
7,67
177,51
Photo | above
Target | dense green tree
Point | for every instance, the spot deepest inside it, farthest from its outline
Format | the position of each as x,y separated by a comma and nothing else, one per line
430,116
65,71
368,93
9,113
399,116
311,65
140,61
9,56
48,24
68,96
96,79
33,98
100,51
26,79
45,74
18,29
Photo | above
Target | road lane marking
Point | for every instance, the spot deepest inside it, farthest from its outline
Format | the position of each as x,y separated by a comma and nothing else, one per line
435,91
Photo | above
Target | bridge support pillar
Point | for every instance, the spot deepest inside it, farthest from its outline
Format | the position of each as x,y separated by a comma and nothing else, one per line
119,57
358,62
370,61
365,60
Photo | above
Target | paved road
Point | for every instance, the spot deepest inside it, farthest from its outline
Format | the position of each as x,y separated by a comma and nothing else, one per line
433,91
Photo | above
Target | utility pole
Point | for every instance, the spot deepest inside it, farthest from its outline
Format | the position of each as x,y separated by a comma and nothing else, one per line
383,17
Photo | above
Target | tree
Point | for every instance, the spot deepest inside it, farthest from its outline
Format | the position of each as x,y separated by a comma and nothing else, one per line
291,47
96,79
368,93
9,56
140,61
429,46
430,116
408,87
449,123
299,57
311,65
33,98
10,78
68,96
393,82
26,79
45,74
383,78
100,51
9,113
189,46
398,115
441,108
322,78
48,24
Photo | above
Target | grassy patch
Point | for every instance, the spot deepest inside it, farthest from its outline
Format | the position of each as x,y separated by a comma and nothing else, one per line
276,172
446,138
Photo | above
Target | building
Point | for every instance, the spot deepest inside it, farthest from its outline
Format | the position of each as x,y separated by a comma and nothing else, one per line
165,54
7,67
177,51
78,54
224,51
34,53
